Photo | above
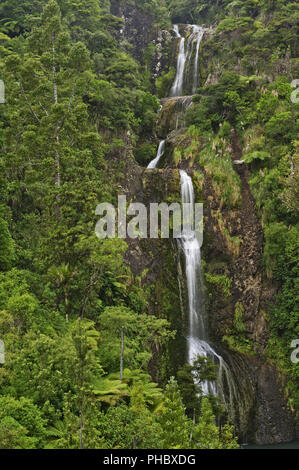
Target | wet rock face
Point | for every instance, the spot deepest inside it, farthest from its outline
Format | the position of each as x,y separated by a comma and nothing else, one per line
273,422
161,61
261,413
154,262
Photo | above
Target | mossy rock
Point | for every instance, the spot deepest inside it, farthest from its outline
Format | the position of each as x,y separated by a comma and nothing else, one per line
172,115
161,186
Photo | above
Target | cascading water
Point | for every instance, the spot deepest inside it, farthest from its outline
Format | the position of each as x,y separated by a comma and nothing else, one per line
197,344
199,32
197,339
197,336
160,152
177,87
185,55
176,30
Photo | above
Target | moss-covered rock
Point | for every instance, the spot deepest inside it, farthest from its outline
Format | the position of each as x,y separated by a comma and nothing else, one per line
172,115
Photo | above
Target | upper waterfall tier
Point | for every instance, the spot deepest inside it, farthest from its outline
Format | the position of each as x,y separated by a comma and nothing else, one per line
187,69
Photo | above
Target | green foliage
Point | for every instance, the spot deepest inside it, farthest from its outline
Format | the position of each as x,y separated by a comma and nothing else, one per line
190,379
220,281
267,106
175,425
77,104
142,333
282,126
206,434
7,248
145,153
23,423
188,389
238,318
225,101
232,24
156,8
290,194
204,370
236,337
257,155
112,390
215,157
14,436
17,301
164,82
123,428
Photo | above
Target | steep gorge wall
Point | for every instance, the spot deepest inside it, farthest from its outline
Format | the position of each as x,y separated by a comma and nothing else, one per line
262,414
153,262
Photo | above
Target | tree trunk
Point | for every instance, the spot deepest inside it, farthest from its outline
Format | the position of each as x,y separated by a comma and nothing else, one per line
122,353
57,159
81,430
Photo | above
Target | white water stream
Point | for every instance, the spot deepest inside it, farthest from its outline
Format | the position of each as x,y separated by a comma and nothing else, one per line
197,339
185,55
160,152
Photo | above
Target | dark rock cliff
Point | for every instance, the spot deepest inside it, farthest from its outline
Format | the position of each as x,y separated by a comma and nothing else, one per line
136,28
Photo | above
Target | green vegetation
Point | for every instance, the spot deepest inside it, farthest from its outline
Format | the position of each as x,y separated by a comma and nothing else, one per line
219,281
164,82
79,108
236,337
74,94
252,58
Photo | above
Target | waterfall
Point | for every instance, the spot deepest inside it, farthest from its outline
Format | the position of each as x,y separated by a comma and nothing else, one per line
185,55
199,32
176,30
160,152
197,340
191,250
177,87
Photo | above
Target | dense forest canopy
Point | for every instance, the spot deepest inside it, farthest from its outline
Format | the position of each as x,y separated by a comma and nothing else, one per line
79,105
